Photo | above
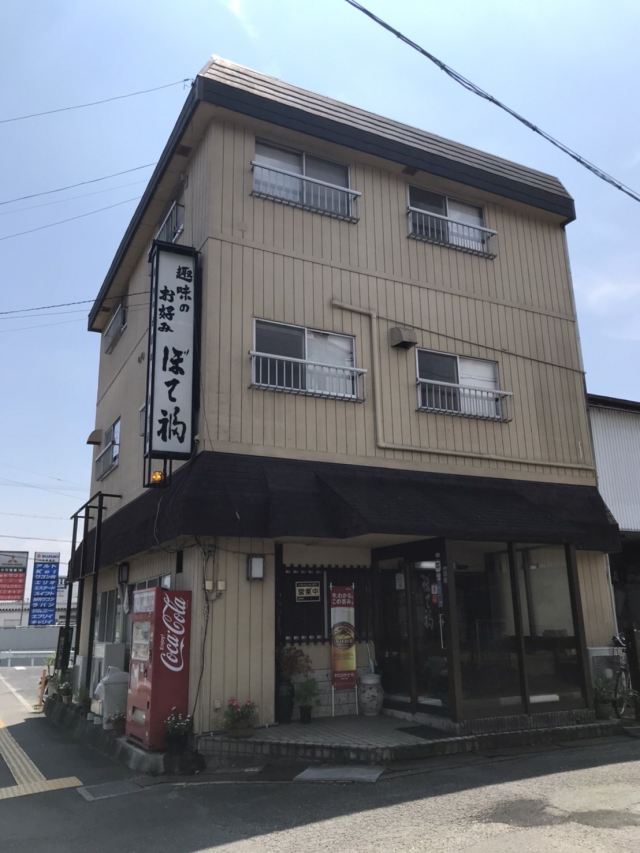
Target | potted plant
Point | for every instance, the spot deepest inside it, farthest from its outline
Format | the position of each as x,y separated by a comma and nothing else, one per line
83,702
117,723
603,698
66,690
306,694
291,662
239,717
178,728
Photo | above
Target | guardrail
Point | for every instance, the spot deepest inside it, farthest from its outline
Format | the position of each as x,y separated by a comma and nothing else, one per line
304,192
313,378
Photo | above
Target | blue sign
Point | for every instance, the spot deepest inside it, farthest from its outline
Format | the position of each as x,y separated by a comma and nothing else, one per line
44,589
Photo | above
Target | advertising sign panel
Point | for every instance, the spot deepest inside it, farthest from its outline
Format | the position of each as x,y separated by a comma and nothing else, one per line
13,573
171,364
343,636
44,588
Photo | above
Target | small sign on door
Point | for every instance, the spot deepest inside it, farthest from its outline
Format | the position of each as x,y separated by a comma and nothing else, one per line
307,591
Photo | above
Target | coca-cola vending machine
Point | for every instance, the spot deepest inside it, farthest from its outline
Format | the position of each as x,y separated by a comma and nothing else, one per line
159,670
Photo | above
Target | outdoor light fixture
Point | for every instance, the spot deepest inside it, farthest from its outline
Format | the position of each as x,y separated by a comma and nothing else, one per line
123,573
255,567
157,478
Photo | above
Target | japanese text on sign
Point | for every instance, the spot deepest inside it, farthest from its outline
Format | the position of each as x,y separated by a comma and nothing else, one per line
168,430
44,589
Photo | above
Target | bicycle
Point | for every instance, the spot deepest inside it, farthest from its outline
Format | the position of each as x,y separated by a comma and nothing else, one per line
624,696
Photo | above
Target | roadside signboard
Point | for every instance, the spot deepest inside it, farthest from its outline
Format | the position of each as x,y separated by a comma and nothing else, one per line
13,574
44,588
343,636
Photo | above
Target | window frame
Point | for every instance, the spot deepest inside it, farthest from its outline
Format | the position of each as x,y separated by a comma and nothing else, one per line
303,154
460,412
111,337
109,444
357,371
489,233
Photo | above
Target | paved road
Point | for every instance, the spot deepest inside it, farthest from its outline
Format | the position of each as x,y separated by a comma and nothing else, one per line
581,797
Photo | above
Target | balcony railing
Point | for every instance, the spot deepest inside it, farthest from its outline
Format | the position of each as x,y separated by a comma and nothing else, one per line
307,193
313,378
107,459
114,329
446,398
434,228
172,225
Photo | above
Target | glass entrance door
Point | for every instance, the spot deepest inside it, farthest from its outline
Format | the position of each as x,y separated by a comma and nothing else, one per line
411,646
429,635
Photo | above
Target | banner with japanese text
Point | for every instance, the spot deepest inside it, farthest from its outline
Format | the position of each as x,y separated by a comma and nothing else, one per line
343,636
171,366
44,588
13,574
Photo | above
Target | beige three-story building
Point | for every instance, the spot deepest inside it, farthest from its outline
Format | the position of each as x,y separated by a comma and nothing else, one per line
388,394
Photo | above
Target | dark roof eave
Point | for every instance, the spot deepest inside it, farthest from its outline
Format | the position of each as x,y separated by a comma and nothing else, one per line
282,114
293,118
602,402
186,114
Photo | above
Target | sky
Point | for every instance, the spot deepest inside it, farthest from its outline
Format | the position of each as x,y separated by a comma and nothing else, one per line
570,67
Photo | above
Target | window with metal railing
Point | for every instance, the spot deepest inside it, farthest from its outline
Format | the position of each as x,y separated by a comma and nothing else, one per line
172,225
455,385
305,361
114,328
304,181
438,219
109,456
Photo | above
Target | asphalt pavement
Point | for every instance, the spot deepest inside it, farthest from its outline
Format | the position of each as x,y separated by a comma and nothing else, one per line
577,797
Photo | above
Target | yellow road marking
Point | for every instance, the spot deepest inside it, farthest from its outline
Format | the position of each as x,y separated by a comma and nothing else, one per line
29,780
22,768
39,787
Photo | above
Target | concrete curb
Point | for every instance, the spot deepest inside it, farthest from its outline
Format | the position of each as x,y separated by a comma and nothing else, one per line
86,732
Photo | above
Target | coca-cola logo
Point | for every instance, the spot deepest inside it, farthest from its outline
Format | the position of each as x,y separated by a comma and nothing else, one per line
174,619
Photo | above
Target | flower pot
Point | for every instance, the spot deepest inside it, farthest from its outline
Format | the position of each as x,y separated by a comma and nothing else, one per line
370,694
176,741
118,726
241,731
66,700
604,710
284,701
305,713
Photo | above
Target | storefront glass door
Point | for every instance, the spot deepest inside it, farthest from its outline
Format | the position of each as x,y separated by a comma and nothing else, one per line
412,645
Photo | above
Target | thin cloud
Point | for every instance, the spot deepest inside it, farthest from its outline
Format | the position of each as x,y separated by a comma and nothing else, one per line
239,12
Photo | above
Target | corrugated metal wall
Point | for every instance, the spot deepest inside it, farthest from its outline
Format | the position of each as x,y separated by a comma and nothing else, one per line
616,437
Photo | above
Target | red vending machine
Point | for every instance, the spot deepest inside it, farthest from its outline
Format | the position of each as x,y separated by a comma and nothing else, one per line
159,669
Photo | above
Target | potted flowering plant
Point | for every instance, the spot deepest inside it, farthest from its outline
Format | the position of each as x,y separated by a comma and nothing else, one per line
178,728
66,690
306,696
117,722
239,717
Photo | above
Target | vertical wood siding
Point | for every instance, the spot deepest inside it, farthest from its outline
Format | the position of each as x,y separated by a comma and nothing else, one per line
595,589
271,261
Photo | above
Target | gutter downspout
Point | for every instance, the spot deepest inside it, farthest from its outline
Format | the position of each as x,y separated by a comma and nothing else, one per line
412,448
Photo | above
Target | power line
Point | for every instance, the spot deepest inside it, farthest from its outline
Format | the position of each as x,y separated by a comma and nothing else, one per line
476,90
67,304
95,103
11,212
70,219
32,538
79,184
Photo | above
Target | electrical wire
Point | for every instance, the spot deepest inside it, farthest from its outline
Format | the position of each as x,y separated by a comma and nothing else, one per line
66,304
71,198
481,93
79,184
32,538
70,219
95,103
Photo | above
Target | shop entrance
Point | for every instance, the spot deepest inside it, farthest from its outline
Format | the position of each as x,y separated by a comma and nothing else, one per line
412,642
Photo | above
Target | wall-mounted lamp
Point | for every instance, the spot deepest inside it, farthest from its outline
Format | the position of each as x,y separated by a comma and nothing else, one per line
123,572
255,567
157,478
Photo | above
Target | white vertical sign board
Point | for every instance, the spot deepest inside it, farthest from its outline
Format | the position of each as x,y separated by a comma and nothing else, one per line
169,418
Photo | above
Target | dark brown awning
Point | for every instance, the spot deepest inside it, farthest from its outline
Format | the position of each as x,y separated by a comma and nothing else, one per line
225,494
